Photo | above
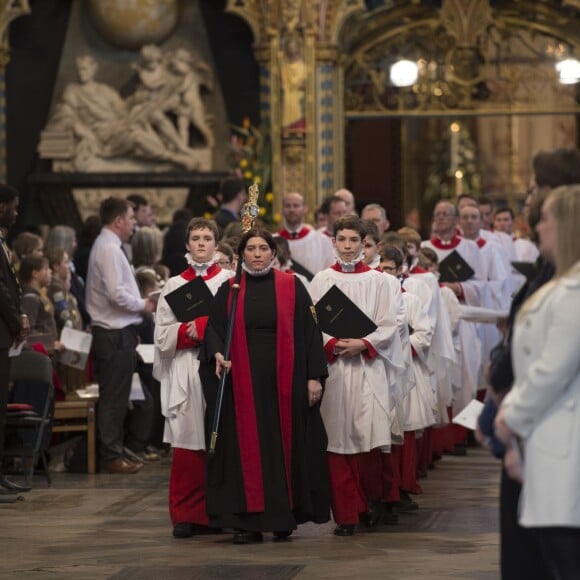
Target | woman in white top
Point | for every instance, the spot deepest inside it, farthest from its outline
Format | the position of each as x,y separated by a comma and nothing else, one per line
541,415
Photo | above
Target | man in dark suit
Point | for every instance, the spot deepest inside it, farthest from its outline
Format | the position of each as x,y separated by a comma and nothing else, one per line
233,196
13,325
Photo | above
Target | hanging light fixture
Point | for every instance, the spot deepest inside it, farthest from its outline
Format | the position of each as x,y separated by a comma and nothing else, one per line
404,73
569,71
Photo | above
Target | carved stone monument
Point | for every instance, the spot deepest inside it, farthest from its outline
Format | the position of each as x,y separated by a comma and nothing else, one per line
94,129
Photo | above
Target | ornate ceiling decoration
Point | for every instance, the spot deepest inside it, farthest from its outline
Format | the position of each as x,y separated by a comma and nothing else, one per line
473,55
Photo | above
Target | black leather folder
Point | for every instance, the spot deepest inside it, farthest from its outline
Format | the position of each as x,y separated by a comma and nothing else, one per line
454,268
190,301
340,317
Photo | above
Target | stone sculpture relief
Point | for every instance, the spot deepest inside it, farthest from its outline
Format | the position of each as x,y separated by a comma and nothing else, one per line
94,129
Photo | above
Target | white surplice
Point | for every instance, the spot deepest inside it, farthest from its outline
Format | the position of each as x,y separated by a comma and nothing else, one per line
355,406
421,403
314,251
182,401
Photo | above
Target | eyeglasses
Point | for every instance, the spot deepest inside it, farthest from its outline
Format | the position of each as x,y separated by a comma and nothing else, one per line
388,268
224,263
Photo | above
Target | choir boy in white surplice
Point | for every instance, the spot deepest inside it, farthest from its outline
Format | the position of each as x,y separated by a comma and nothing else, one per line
420,403
176,367
309,247
356,404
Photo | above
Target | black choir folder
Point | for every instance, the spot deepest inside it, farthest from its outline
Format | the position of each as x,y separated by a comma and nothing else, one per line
454,268
340,317
190,301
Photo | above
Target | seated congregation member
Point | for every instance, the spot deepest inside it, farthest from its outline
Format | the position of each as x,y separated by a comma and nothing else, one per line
356,407
539,418
269,471
182,403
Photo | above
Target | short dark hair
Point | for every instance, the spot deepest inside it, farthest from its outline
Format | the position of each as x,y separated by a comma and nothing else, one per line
7,193
392,253
200,224
112,208
557,167
29,265
349,222
371,230
230,187
137,200
485,200
462,197
257,233
397,240
283,249
225,249
428,254
504,210
328,202
182,215
25,243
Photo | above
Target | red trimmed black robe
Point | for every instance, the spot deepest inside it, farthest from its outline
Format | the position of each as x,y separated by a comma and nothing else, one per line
269,472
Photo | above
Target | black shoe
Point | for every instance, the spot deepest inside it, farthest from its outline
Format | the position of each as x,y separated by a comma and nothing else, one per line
247,537
344,530
12,486
374,513
187,530
407,504
460,450
282,536
390,515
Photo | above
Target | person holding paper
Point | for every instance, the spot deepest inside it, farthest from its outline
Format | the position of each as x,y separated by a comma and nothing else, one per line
116,308
177,368
357,405
14,326
269,471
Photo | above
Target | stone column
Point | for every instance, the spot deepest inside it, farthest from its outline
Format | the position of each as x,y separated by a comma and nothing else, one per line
307,157
9,11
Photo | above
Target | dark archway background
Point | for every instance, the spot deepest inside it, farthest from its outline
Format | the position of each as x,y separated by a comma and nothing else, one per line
36,42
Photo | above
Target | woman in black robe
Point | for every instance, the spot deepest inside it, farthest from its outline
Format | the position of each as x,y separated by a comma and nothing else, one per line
269,472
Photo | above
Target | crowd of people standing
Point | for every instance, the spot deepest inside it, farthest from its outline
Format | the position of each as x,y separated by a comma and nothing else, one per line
313,423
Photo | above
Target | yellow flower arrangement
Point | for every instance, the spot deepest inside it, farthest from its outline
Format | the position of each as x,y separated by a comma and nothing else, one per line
250,159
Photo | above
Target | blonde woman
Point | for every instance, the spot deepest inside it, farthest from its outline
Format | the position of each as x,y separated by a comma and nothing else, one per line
540,418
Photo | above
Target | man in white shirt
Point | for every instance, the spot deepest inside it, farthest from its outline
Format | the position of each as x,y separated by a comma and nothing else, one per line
308,246
115,306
